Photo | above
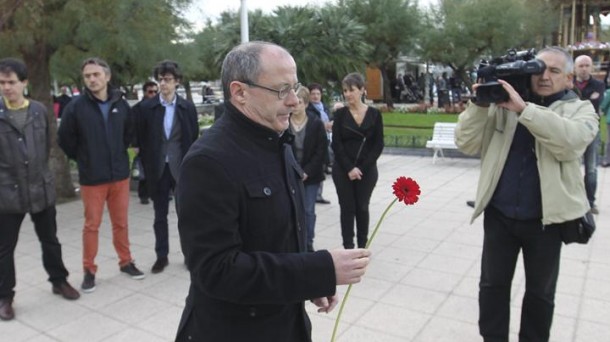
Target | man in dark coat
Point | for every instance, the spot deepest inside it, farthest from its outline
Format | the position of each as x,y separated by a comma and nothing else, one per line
240,215
150,89
27,184
95,131
319,109
166,128
592,90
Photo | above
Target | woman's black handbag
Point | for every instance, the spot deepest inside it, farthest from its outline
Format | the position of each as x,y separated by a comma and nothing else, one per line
579,230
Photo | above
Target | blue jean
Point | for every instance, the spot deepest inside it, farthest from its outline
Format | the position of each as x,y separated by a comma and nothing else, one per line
590,160
311,193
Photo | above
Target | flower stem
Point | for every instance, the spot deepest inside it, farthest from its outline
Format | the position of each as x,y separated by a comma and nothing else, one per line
349,288
379,223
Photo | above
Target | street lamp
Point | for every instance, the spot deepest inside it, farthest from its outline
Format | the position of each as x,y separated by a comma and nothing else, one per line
244,22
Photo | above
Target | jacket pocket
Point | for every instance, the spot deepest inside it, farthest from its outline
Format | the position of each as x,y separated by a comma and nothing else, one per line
10,201
263,208
49,189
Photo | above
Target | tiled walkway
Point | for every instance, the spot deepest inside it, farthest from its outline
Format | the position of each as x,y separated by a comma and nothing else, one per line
421,285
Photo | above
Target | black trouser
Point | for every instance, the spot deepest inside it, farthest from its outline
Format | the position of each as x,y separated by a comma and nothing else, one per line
504,239
354,197
142,189
161,205
45,226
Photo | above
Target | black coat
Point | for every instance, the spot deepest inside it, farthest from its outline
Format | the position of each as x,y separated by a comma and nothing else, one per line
311,109
99,148
357,146
26,183
149,116
315,148
241,224
593,86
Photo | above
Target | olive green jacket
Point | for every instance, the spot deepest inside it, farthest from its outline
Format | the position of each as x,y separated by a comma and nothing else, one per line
562,132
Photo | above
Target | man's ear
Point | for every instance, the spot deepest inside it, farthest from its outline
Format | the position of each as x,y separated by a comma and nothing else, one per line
570,77
238,91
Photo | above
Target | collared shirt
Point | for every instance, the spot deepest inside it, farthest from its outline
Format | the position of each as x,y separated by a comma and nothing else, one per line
25,104
168,119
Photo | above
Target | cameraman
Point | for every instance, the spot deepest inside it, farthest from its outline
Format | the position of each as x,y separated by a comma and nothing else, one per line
530,182
592,90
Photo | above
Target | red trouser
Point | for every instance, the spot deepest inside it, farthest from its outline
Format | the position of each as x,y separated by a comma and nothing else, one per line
116,194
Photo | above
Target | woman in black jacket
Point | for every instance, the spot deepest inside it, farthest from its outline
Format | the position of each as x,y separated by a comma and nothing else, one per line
309,147
357,143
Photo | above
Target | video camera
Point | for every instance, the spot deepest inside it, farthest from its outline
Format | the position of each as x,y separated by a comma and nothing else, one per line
516,68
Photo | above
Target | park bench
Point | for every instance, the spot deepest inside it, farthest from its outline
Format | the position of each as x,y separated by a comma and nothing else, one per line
443,137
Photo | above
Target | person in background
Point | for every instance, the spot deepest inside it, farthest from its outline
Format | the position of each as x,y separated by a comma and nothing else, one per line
149,90
96,130
605,110
357,144
320,110
167,127
310,146
530,184
592,90
28,186
62,100
241,219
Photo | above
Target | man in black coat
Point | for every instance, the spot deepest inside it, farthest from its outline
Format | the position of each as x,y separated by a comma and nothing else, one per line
319,109
150,89
96,129
592,90
27,184
240,215
166,128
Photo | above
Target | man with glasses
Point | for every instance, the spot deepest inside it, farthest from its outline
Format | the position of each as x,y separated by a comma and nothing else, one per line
166,128
241,214
96,129
149,90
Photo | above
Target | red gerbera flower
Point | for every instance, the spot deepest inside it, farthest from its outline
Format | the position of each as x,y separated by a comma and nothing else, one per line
406,190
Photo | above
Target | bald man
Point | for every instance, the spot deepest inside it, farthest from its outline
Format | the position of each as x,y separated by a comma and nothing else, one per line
592,90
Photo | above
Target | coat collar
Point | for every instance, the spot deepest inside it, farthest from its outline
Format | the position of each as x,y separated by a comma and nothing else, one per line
258,133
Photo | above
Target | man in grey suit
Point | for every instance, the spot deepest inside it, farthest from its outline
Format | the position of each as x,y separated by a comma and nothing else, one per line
166,128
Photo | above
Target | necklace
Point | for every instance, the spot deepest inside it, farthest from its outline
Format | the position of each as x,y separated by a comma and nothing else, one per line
298,125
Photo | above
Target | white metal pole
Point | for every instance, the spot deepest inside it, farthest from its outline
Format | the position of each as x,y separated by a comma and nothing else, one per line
244,22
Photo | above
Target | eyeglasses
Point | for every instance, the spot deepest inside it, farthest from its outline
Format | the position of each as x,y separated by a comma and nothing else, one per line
165,79
281,93
151,91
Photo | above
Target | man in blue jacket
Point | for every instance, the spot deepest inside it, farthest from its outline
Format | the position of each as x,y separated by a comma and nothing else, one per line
95,130
166,128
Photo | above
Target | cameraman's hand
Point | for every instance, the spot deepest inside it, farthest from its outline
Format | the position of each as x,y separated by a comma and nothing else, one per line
515,103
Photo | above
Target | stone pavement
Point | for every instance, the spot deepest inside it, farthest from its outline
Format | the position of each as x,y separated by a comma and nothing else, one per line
420,286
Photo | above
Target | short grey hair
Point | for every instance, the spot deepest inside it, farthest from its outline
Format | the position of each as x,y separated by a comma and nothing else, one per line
243,64
96,61
569,67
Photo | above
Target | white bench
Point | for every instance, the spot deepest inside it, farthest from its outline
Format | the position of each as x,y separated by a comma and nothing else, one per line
443,137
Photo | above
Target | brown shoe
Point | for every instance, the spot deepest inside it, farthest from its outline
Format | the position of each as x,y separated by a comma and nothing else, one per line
6,309
66,290
159,265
